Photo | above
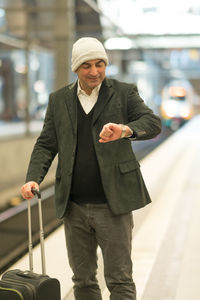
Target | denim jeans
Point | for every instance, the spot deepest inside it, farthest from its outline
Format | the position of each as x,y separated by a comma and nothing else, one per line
86,227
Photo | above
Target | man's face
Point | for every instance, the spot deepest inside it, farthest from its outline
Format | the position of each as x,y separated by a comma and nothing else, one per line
91,74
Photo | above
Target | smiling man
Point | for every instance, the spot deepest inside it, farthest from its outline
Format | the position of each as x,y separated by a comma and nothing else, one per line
90,125
91,74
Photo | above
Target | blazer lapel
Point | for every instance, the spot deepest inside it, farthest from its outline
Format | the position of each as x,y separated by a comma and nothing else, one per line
71,102
105,93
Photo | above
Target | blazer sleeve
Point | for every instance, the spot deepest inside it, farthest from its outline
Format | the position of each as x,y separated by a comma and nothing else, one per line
141,119
45,149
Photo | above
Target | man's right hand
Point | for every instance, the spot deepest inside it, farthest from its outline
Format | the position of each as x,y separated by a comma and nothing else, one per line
26,189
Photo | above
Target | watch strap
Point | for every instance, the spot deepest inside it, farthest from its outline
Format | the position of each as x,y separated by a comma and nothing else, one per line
123,133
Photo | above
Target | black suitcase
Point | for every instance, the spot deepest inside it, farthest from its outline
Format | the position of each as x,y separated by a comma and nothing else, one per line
27,285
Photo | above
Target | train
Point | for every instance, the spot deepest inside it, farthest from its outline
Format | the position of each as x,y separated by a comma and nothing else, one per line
177,104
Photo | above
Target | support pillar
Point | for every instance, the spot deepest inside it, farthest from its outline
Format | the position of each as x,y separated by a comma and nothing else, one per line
63,40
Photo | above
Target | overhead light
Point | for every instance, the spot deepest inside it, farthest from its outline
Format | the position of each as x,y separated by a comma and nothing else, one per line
39,86
2,13
21,68
34,63
121,43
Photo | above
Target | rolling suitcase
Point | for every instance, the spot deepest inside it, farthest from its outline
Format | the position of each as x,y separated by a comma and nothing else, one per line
27,285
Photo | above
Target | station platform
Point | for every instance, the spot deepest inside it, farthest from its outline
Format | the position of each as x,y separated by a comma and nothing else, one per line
166,239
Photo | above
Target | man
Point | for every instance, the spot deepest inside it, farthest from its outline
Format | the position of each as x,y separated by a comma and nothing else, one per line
90,125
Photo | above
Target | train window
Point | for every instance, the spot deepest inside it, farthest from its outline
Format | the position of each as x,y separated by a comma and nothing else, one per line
178,98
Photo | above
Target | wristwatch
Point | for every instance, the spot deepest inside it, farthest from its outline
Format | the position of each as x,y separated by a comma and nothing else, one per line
123,134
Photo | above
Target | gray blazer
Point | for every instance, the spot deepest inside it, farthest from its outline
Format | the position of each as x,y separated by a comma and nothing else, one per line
120,171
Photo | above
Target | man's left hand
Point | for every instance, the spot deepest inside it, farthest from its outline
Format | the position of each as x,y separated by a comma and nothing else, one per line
112,132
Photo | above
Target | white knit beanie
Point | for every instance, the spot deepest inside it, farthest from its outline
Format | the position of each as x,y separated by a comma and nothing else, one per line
87,48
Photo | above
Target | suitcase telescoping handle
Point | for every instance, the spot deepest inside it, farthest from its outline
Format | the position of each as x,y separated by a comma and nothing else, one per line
38,194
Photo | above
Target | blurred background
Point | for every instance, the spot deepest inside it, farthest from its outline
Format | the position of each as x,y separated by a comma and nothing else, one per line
153,43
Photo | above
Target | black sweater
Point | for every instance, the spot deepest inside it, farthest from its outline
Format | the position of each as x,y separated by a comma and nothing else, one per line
86,181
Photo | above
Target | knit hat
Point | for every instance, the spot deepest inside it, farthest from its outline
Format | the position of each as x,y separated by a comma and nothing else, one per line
87,48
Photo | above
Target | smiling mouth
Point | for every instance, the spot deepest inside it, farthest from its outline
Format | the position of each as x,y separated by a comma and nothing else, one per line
94,80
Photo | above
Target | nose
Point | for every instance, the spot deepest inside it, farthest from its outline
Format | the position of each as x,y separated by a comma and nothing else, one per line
93,71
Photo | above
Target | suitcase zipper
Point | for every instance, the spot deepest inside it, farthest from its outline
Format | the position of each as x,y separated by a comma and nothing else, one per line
13,290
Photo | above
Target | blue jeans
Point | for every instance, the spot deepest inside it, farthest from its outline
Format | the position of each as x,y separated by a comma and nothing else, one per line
86,227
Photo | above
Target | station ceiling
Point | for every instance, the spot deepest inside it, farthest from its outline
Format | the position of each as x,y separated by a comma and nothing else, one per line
153,23
153,16
41,22
145,24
